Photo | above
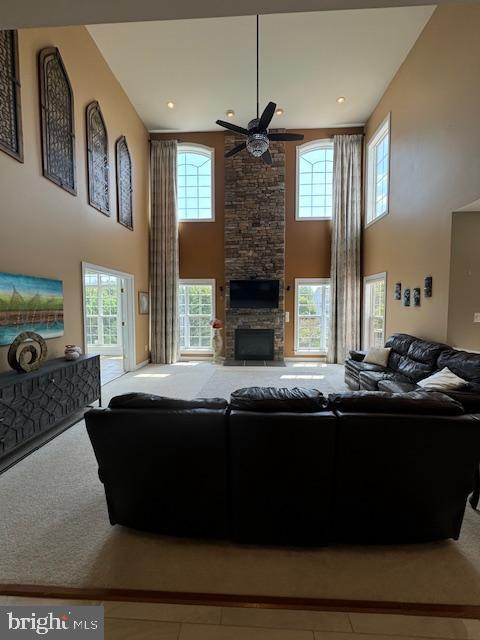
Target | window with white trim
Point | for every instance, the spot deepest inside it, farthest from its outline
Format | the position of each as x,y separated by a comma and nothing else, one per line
378,172
314,180
312,315
196,309
374,295
195,195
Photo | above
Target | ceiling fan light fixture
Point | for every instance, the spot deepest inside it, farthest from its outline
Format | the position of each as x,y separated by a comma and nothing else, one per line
257,144
230,113
279,112
341,99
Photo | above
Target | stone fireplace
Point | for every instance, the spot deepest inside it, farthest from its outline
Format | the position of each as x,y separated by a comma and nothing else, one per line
254,238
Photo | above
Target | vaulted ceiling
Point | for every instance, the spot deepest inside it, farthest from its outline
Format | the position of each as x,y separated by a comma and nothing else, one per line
307,60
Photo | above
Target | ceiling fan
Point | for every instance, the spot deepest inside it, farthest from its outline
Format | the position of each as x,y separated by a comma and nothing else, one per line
258,138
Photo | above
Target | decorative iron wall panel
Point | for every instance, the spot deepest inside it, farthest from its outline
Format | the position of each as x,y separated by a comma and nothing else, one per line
58,129
10,108
124,183
98,165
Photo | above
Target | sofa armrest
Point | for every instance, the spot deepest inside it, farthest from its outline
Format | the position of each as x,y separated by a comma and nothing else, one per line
356,354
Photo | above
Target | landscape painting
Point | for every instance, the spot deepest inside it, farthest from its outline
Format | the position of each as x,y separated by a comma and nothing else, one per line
28,303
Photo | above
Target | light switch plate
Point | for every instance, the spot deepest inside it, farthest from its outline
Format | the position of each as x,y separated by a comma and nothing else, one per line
476,317
287,316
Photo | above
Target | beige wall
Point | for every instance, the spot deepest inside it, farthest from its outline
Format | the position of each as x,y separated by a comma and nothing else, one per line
435,165
464,299
46,231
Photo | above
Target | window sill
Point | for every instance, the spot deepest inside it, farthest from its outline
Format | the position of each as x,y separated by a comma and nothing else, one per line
369,224
182,220
196,352
322,219
310,353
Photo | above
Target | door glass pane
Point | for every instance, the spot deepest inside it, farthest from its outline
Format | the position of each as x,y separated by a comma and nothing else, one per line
374,313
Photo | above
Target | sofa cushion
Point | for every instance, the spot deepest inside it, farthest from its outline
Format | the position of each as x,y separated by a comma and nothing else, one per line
369,379
358,367
413,358
462,363
413,402
378,355
444,380
469,399
396,386
271,399
153,402
357,354
426,352
400,343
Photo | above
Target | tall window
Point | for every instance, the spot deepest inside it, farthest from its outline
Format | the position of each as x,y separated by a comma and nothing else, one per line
314,180
374,310
196,310
195,182
102,294
312,315
378,172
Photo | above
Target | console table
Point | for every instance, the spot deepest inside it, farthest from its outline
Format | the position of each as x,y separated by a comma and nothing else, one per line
36,406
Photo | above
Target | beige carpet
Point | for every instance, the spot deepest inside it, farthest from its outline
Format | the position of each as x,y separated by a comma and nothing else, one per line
55,530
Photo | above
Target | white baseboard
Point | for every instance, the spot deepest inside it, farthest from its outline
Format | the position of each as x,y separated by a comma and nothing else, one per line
141,364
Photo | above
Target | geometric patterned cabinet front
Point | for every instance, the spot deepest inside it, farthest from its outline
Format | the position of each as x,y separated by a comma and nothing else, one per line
33,404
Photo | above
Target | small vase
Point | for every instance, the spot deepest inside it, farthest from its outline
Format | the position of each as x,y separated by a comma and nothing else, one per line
217,346
72,352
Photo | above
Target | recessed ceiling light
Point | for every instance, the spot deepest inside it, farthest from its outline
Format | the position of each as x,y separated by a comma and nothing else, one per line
340,99
170,104
279,112
230,113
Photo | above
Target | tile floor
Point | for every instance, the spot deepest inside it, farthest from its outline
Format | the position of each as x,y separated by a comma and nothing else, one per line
111,368
146,621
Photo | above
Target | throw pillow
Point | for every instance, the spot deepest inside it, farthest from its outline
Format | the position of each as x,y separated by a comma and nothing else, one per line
444,380
378,355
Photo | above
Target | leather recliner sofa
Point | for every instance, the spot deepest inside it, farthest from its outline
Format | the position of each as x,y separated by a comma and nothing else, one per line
280,466
412,360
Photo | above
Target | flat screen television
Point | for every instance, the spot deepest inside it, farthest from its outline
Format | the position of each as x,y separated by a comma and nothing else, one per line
254,294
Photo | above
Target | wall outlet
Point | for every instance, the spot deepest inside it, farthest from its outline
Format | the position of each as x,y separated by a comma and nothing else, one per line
287,316
476,317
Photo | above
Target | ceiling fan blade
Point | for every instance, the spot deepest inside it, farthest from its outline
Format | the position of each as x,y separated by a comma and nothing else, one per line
266,116
267,157
285,137
233,127
237,149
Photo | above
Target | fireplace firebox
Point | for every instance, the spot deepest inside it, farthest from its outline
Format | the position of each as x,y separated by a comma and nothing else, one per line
254,344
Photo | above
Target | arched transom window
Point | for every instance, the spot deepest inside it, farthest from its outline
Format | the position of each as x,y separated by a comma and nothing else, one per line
195,182
314,180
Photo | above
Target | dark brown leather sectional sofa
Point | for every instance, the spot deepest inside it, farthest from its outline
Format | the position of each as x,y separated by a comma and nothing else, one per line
290,467
412,360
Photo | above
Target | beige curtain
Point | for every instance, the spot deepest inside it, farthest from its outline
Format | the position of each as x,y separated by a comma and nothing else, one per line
164,252
346,244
